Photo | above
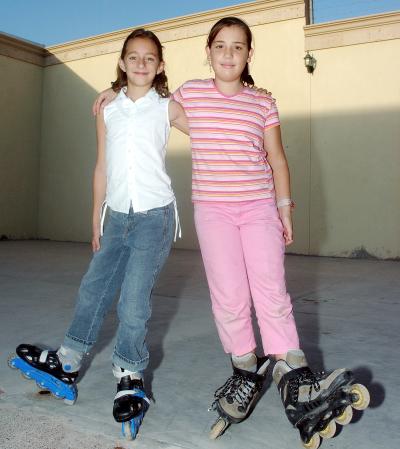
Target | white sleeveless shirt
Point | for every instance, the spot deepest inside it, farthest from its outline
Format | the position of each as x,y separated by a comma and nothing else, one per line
136,140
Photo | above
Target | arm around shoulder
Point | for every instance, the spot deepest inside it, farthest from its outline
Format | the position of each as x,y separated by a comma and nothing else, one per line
177,117
102,100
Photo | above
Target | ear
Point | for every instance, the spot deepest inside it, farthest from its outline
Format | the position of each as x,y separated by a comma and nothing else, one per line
161,67
251,52
121,64
208,52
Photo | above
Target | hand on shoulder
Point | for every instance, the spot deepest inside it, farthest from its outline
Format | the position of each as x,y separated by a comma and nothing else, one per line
103,99
261,90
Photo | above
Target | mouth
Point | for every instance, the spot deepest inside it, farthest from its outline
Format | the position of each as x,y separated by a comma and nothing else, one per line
227,66
140,73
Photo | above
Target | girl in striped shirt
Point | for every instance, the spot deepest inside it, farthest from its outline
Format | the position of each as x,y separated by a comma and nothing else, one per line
242,204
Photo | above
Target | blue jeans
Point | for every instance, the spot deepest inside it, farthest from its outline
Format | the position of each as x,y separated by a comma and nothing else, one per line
133,250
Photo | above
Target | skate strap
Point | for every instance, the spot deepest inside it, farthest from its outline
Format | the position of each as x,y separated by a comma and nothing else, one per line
135,392
43,356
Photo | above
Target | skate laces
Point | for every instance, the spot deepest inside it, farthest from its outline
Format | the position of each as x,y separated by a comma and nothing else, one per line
307,377
236,389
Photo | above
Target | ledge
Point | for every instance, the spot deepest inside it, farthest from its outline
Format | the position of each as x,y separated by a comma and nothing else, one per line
254,13
360,30
23,50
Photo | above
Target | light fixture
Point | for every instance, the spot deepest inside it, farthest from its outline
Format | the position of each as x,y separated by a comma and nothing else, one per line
310,62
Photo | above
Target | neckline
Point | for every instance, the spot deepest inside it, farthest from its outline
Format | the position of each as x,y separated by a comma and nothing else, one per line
148,95
224,95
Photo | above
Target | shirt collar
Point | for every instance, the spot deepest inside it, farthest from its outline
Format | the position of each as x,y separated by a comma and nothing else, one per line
150,96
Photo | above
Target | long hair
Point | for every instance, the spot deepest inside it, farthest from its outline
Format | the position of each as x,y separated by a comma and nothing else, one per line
160,82
245,77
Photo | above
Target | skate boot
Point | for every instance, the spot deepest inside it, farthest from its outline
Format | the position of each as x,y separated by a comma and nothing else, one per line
315,402
237,397
130,402
46,369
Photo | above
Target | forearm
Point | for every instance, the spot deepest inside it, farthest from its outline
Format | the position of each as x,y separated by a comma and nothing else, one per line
281,175
99,194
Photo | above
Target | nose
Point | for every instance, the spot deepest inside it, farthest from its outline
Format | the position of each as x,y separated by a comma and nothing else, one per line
228,53
141,62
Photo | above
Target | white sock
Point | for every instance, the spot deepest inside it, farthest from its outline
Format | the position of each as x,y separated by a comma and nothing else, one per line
246,362
70,359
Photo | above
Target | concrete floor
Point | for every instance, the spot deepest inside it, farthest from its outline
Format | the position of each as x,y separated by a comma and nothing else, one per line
347,313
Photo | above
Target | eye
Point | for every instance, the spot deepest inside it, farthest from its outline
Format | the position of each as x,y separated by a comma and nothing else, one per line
132,58
218,46
238,47
150,59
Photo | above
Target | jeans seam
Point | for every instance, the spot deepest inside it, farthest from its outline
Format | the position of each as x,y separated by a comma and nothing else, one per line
103,295
166,220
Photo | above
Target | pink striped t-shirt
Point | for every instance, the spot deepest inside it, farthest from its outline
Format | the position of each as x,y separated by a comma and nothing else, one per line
228,157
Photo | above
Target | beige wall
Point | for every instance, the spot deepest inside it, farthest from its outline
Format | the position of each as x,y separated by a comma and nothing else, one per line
355,154
340,125
68,147
355,132
20,118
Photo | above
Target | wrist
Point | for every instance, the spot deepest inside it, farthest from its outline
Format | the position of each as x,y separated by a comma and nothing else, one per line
283,202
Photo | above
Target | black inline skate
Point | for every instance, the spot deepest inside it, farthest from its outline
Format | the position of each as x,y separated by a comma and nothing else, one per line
237,397
130,402
45,368
315,402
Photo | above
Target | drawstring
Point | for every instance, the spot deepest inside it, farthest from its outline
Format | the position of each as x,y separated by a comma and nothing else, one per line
102,217
178,229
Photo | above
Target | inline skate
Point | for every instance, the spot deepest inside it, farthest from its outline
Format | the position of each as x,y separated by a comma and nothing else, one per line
130,402
234,400
46,369
315,402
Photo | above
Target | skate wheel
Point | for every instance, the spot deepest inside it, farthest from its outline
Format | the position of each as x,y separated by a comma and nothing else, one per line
56,395
10,361
329,430
129,430
345,417
361,396
314,442
41,386
25,375
218,428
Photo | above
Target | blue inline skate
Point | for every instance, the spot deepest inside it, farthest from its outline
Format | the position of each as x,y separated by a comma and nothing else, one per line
45,368
130,402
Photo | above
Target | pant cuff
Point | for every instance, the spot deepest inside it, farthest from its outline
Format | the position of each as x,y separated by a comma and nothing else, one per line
130,365
77,345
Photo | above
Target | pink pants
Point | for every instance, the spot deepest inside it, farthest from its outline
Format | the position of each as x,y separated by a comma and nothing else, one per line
243,253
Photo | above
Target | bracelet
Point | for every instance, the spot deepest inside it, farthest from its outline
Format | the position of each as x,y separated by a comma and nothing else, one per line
285,202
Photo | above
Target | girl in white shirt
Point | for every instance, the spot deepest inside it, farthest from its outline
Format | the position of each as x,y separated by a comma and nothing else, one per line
130,180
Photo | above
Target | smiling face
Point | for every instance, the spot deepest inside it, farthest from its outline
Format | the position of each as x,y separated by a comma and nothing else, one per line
229,53
141,62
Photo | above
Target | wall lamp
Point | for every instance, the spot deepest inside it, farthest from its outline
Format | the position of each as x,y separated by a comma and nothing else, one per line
310,62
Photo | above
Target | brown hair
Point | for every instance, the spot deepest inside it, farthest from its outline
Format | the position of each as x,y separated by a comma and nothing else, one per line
160,82
245,77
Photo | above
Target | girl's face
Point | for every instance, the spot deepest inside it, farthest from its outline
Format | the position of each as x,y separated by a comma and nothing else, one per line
229,53
141,62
